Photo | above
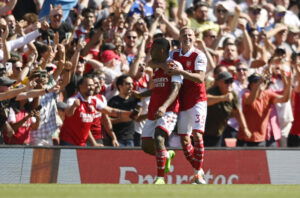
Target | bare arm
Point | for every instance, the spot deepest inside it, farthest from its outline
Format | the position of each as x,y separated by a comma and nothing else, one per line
9,6
106,122
12,93
197,77
135,66
174,93
238,114
181,11
287,81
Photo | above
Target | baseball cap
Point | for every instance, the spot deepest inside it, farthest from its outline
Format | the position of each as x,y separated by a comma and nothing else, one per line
254,78
255,7
294,29
5,81
224,76
280,8
109,55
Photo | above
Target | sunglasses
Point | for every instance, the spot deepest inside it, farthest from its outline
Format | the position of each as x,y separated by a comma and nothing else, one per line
242,69
228,81
256,11
221,11
131,37
280,14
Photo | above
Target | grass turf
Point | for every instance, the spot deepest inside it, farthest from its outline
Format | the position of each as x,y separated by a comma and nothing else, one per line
147,191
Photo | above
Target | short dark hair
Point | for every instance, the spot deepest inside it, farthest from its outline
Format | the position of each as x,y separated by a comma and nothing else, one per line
120,80
81,80
86,11
162,42
199,4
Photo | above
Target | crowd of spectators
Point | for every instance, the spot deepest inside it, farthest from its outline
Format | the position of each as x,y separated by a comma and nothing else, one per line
56,53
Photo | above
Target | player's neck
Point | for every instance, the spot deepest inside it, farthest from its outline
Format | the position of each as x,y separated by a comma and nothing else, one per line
185,49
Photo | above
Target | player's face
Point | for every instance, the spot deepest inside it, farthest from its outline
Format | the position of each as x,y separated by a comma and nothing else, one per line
187,38
158,54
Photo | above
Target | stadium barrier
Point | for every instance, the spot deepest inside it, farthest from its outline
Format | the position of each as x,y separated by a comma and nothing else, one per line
132,166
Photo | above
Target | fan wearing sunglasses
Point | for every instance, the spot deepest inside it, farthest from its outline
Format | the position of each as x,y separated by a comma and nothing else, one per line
222,105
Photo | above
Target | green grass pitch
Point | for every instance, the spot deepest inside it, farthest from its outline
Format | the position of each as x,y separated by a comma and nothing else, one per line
147,191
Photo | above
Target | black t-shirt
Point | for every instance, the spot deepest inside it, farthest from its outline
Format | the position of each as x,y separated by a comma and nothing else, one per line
124,130
62,30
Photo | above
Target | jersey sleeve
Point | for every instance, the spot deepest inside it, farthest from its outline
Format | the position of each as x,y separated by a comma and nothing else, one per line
101,104
177,78
70,101
201,62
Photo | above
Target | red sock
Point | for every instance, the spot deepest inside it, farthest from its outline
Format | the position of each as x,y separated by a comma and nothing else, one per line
198,154
188,151
161,158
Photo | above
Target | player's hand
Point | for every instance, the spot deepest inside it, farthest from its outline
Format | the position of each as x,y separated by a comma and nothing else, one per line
248,133
76,103
115,143
136,94
98,145
160,112
229,97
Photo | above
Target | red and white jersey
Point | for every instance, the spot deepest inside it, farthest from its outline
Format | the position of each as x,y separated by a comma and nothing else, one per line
161,92
191,92
96,127
75,129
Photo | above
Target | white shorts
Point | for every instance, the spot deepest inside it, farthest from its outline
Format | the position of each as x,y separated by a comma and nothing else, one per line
192,119
167,123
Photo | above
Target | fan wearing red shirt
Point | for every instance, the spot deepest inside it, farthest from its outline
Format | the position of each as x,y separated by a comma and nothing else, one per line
80,114
162,110
192,99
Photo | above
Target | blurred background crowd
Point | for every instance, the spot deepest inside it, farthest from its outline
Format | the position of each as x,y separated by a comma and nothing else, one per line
47,46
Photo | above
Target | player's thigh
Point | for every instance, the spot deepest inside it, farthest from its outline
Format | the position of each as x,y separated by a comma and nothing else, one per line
198,114
184,126
167,123
149,129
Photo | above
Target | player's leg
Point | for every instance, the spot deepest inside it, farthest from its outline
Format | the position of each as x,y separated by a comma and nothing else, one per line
148,137
161,154
184,131
199,114
165,126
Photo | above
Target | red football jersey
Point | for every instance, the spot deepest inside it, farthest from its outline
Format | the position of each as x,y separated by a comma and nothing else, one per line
96,127
75,129
191,92
161,91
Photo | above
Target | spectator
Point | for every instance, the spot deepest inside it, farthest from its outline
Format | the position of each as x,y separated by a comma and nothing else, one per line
222,104
256,106
81,112
124,128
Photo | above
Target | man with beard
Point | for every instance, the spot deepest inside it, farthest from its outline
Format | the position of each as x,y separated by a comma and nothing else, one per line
81,112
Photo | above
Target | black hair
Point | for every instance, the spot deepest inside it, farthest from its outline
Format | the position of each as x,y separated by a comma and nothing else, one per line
200,4
120,80
86,11
80,82
164,43
294,56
